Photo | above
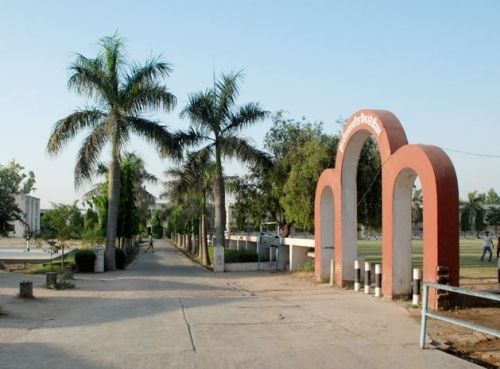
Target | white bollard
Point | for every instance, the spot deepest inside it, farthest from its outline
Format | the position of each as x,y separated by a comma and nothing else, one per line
417,278
378,280
368,277
357,276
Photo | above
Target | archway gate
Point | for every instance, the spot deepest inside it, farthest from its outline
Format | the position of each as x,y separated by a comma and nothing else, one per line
336,229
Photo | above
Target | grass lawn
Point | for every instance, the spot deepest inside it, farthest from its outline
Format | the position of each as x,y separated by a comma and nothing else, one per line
470,252
69,258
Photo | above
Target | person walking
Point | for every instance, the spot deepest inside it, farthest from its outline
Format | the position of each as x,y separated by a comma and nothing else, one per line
487,245
150,246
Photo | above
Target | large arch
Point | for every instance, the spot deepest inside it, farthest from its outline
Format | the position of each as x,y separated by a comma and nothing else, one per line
324,220
401,164
388,132
441,219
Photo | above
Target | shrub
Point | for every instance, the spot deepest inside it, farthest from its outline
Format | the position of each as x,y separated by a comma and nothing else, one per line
239,256
307,267
120,258
84,260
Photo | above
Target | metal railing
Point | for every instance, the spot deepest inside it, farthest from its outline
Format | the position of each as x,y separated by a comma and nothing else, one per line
462,323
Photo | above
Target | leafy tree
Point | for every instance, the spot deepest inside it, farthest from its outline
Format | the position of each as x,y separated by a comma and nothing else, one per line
464,221
134,199
123,92
369,185
493,217
58,224
492,197
296,146
284,192
13,181
156,225
216,123
479,221
416,207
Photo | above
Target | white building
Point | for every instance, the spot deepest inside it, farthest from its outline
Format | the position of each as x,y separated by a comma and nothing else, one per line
30,207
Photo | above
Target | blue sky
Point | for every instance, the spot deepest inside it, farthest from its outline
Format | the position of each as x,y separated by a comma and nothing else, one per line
436,65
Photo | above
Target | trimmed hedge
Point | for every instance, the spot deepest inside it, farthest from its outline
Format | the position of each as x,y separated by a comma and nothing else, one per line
239,256
120,258
84,260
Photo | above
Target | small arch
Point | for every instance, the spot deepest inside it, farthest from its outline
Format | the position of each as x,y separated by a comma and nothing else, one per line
440,222
324,214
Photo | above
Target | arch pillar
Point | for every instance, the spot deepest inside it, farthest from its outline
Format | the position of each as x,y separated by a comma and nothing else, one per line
440,222
389,134
324,220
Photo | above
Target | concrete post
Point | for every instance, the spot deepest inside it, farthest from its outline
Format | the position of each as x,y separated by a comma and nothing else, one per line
26,289
378,280
357,276
368,277
332,272
417,277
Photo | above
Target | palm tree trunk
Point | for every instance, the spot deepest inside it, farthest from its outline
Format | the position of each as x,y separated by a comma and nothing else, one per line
205,258
220,203
113,203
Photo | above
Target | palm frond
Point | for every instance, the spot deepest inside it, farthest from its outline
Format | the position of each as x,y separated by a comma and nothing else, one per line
154,132
200,110
112,47
149,96
246,116
88,154
150,71
240,148
67,128
88,77
226,92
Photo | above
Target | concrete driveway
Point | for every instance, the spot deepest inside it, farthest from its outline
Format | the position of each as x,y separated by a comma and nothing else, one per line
166,312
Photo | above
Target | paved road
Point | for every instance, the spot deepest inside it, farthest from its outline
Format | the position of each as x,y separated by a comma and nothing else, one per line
165,312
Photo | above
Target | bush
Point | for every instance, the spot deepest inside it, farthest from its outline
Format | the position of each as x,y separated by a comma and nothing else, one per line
307,267
120,258
84,260
239,256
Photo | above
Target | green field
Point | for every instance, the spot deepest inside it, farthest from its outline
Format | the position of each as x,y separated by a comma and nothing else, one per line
470,252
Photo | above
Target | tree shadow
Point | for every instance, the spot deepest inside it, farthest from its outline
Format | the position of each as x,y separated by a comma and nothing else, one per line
34,354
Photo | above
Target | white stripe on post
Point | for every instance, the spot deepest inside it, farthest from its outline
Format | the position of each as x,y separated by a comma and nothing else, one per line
332,272
417,278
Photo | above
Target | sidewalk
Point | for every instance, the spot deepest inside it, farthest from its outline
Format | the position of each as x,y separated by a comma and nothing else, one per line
166,312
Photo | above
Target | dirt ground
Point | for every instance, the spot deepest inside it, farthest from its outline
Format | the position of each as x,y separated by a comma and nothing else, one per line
474,346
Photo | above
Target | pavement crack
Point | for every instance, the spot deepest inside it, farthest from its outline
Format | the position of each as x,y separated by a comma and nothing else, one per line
188,326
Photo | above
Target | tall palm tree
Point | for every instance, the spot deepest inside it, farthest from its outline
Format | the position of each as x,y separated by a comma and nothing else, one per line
216,122
195,179
122,92
472,207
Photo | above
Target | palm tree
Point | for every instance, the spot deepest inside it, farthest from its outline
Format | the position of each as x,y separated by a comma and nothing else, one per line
215,123
122,93
472,207
195,179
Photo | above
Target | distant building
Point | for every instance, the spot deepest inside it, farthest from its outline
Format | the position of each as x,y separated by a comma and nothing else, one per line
30,207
